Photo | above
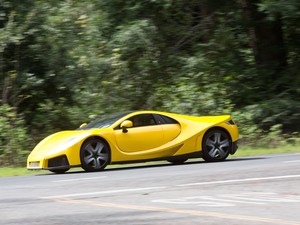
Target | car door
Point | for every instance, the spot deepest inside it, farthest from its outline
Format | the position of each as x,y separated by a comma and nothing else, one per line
170,127
145,134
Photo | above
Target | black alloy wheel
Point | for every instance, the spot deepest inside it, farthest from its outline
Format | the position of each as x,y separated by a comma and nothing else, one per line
59,171
177,161
94,155
216,146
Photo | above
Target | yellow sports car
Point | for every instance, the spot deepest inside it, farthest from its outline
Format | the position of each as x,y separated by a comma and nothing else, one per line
136,136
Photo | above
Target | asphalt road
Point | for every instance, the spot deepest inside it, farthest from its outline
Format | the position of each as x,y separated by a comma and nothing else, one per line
250,190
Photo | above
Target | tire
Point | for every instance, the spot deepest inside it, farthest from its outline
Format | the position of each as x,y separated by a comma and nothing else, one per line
94,155
59,171
216,146
177,161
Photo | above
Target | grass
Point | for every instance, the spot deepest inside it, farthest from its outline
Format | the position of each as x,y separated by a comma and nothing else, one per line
17,171
250,151
242,151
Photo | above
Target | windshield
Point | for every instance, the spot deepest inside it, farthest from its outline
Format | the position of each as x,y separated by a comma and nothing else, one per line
104,121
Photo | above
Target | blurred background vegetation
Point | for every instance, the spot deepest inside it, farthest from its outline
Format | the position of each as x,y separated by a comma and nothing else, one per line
64,62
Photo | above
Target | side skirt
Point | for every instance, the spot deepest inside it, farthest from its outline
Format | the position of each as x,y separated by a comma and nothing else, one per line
179,157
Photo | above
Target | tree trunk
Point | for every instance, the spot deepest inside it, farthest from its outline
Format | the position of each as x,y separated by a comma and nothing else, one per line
265,37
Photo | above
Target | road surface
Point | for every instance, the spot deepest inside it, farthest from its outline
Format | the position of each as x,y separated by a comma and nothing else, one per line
248,190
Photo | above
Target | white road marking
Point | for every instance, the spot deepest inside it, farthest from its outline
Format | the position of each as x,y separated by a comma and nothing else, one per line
267,197
292,161
206,201
78,179
211,201
227,200
198,213
239,180
103,192
181,185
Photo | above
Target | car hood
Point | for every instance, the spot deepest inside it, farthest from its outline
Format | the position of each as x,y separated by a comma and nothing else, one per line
59,141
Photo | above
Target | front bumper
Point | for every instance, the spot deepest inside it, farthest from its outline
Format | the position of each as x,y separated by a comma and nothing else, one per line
59,162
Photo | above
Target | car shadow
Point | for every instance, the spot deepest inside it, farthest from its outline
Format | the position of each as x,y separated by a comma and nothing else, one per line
157,164
166,164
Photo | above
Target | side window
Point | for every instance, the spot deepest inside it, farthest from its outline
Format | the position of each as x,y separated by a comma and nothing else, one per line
142,120
164,119
169,120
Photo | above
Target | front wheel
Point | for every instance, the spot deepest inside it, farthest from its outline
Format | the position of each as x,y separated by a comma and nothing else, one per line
216,146
94,155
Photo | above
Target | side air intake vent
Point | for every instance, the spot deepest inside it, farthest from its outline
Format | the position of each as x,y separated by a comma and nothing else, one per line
60,161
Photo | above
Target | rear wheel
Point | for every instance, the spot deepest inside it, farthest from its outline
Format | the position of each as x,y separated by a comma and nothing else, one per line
177,161
216,146
94,155
59,171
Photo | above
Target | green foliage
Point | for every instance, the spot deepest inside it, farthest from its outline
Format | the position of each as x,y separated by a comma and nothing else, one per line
14,140
257,125
63,63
